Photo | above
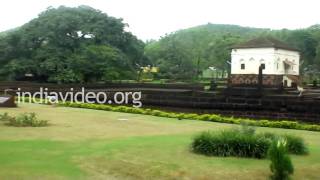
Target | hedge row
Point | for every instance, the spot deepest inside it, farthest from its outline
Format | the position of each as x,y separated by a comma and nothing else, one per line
192,116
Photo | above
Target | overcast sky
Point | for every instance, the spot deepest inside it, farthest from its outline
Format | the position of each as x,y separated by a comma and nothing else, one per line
150,19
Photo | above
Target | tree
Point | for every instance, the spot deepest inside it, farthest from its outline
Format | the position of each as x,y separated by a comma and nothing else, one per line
174,61
68,45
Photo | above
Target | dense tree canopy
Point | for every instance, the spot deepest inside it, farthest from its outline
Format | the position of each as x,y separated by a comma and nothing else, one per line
70,45
82,44
185,53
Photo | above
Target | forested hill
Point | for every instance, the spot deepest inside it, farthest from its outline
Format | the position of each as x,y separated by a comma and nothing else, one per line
185,53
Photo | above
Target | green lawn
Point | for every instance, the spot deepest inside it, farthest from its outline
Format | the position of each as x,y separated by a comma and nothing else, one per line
91,144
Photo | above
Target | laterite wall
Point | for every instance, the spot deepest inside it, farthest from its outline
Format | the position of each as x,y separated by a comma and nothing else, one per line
252,79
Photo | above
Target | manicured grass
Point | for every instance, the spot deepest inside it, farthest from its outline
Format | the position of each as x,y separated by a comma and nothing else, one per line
92,144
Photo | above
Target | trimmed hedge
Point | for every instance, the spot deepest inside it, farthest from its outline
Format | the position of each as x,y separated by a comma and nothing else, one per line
204,117
243,143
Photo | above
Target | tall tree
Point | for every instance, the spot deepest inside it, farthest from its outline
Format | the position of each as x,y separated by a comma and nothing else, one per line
71,45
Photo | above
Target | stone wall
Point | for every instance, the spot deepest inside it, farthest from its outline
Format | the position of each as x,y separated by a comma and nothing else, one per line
268,103
252,79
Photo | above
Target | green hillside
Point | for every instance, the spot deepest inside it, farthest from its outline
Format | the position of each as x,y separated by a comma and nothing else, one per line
185,53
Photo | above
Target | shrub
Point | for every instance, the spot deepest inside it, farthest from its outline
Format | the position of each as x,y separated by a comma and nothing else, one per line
24,120
137,110
243,142
164,114
204,117
281,165
296,145
264,123
107,108
248,130
230,143
215,118
190,116
268,135
155,112
145,111
310,127
173,115
5,117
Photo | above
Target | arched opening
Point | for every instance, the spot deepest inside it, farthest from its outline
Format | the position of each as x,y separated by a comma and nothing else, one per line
263,63
242,64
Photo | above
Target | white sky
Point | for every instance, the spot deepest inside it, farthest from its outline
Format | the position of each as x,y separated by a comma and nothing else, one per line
150,19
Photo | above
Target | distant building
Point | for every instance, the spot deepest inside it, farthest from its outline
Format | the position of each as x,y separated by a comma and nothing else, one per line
280,62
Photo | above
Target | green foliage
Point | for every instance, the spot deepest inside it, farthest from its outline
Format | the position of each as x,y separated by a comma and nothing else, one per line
195,49
23,120
281,165
202,117
230,143
248,130
5,117
243,142
70,45
296,145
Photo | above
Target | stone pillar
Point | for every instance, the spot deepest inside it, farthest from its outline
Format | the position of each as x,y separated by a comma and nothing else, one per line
260,78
